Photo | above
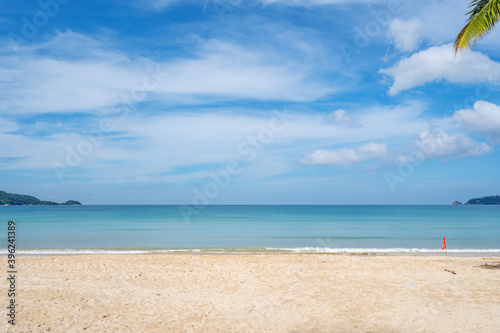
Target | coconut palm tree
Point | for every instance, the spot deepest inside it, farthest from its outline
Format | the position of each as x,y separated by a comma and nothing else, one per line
482,19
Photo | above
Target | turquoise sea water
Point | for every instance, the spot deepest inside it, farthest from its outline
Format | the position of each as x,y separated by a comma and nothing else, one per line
137,229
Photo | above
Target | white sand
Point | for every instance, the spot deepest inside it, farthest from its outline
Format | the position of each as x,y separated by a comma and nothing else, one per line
256,293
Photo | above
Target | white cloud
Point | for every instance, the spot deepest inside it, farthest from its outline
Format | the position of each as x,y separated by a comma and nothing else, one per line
405,34
345,156
440,20
159,4
90,80
230,70
203,140
7,126
444,145
484,120
165,143
307,3
439,63
222,4
341,118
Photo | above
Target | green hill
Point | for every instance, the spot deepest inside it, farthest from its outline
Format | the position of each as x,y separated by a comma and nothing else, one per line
490,200
21,199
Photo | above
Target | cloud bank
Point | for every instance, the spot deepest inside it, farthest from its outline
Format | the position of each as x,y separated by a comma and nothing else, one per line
90,80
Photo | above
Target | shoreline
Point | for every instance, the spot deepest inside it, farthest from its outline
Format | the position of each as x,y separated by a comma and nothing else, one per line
236,251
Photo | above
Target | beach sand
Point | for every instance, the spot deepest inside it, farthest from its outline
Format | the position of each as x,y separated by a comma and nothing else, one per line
256,293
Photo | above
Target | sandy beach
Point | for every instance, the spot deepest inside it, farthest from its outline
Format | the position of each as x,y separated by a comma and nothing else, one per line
256,293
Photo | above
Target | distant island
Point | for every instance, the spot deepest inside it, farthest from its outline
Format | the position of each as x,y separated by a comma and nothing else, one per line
11,199
489,200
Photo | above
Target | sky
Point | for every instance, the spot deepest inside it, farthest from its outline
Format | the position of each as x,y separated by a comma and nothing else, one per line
246,102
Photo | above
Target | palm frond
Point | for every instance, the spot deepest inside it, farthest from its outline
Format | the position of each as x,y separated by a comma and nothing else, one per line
483,17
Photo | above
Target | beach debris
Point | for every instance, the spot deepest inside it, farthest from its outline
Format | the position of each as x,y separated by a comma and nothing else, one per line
411,284
452,272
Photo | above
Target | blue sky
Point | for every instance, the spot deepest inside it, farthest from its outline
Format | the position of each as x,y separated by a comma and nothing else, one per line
251,102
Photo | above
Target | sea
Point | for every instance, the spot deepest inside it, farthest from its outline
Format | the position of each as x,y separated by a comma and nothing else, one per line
39,230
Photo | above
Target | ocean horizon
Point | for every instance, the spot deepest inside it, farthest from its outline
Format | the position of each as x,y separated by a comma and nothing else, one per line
469,230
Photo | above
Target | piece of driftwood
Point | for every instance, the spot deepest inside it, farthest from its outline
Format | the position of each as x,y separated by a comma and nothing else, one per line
452,272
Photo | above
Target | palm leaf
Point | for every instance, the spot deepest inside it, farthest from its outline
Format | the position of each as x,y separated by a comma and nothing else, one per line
482,19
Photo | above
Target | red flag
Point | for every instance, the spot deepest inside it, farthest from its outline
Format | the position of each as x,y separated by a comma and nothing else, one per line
444,243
